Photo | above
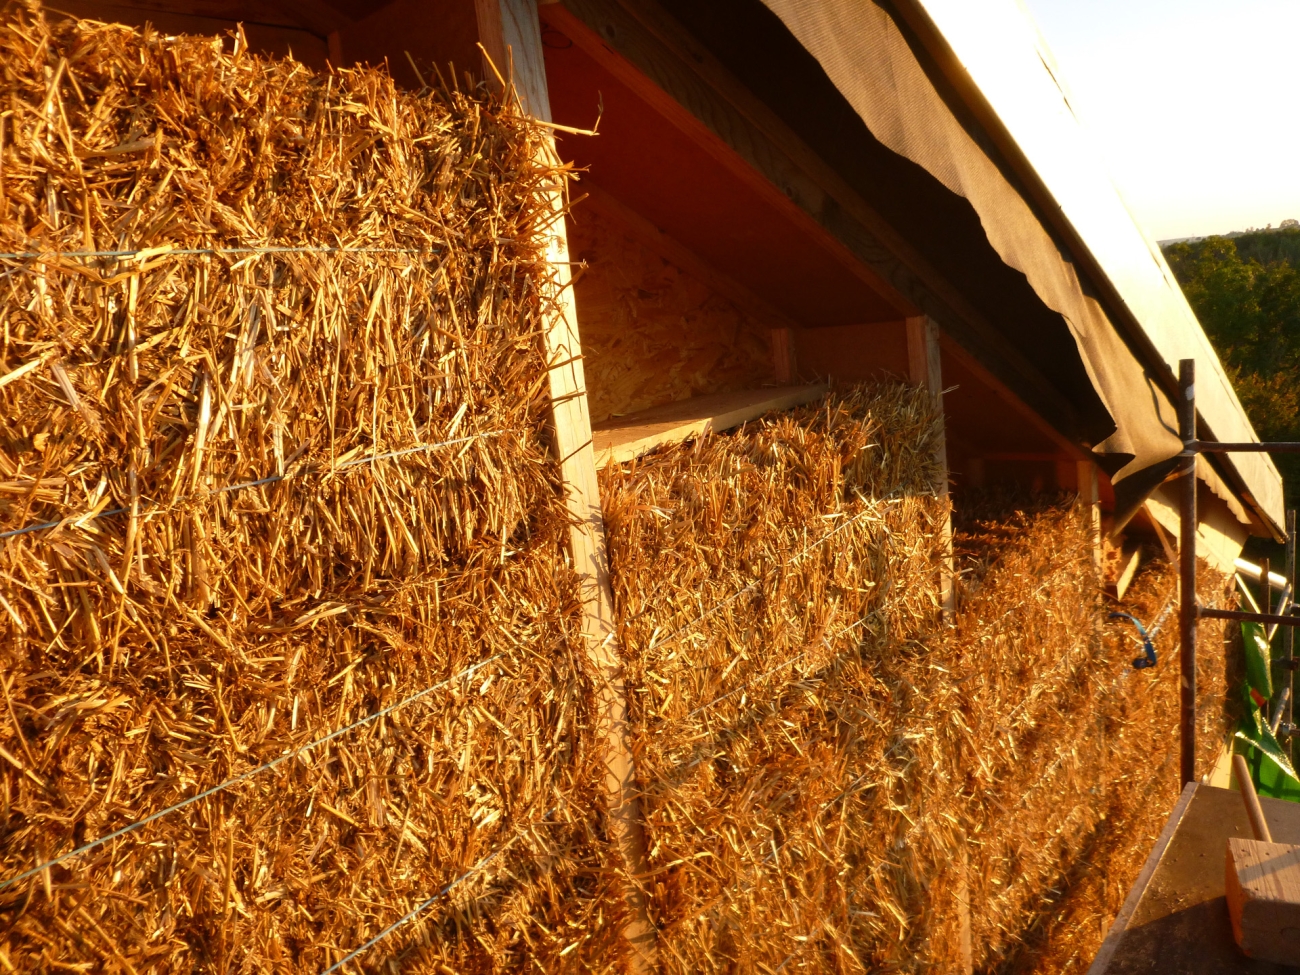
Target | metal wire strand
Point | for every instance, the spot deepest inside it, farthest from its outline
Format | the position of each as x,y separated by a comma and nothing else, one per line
245,776
420,448
149,252
795,560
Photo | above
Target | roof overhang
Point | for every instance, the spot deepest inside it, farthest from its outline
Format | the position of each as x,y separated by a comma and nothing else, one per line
1012,146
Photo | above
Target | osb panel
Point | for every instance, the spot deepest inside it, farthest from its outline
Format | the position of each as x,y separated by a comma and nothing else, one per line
853,353
651,333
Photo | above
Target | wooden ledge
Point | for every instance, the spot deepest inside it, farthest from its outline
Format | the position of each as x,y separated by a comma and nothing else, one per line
626,437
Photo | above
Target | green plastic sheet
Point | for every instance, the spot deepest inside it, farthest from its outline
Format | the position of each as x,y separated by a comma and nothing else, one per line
1259,659
1270,766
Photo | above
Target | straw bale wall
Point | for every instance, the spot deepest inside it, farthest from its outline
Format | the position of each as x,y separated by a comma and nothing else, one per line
282,490
833,780
769,583
1067,755
180,625
1131,742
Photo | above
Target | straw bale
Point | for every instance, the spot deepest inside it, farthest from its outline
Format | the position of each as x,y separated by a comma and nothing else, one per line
1066,740
1137,778
819,794
153,652
827,769
761,578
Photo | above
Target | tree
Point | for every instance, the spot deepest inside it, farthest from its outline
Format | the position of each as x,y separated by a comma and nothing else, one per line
1249,307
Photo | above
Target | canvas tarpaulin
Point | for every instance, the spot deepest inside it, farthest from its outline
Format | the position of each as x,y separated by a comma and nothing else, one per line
869,60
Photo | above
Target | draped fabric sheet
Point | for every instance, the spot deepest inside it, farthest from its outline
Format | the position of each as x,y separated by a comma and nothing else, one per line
868,59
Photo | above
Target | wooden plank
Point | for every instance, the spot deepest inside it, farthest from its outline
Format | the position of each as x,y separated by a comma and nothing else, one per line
627,437
1115,934
1090,494
784,366
1262,881
511,36
1180,922
965,945
1129,561
925,369
1166,542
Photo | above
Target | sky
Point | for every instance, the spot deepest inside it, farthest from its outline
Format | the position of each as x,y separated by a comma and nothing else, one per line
1194,104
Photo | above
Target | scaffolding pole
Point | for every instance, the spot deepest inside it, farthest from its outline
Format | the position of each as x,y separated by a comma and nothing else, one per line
1187,522
1189,610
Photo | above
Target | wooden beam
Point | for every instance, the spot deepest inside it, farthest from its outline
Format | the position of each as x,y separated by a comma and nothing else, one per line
969,362
627,437
1170,546
511,36
320,19
1031,457
925,369
923,364
765,173
965,950
1090,495
648,50
418,40
784,365
1129,561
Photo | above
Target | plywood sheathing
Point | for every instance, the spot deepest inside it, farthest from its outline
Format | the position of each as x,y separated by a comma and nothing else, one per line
652,332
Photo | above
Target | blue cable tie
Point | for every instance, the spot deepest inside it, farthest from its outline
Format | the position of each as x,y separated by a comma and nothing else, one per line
1139,663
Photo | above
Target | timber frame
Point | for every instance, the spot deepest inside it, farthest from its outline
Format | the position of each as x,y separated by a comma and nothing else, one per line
511,36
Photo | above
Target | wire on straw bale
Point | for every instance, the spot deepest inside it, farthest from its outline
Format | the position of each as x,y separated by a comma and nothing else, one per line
172,630
292,487
828,773
760,578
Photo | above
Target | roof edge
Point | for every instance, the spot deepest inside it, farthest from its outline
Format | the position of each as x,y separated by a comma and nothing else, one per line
917,18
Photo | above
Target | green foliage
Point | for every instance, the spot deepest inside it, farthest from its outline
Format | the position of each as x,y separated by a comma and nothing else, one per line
1270,246
1246,292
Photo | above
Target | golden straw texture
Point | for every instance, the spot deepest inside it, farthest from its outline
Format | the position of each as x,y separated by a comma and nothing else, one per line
835,782
295,484
153,653
767,583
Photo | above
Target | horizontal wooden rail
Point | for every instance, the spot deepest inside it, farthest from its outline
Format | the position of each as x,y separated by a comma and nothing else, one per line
1244,617
626,437
1213,447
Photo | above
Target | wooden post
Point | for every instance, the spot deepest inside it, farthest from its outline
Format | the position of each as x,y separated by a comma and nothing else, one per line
1090,494
511,34
965,942
783,364
1288,638
925,370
